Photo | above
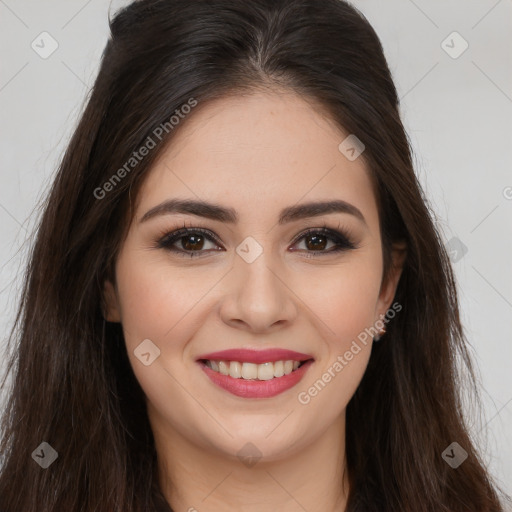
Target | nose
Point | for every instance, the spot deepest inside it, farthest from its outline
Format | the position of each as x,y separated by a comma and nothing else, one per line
258,299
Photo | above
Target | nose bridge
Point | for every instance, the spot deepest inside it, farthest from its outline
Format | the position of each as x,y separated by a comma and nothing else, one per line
258,279
257,294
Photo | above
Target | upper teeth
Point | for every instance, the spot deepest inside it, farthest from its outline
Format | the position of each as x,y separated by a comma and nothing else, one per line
265,371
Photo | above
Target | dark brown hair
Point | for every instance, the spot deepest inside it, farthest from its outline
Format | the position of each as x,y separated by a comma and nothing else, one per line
73,386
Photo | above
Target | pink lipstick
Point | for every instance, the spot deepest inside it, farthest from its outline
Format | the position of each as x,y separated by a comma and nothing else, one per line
237,370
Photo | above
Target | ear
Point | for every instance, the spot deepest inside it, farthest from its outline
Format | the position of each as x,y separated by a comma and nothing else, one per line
111,310
389,285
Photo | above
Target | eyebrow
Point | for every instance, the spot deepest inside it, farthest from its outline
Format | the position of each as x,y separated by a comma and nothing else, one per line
220,213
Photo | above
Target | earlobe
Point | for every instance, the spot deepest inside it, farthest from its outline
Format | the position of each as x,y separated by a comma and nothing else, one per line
110,303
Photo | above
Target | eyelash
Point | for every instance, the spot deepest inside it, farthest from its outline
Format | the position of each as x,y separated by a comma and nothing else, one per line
343,240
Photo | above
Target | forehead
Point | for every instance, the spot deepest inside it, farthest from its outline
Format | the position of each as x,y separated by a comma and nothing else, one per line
255,152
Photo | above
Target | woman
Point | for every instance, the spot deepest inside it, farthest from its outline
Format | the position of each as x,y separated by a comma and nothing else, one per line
237,299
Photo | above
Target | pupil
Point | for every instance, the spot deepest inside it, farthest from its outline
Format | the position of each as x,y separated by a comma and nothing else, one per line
316,245
195,245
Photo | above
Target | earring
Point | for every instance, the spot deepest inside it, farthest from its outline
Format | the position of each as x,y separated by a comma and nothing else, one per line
379,335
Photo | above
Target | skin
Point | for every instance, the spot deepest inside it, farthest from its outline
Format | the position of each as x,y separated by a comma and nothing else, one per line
256,153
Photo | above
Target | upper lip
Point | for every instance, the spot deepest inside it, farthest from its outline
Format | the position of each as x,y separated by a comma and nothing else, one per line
256,356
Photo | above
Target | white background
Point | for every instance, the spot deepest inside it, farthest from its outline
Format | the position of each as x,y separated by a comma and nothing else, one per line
458,113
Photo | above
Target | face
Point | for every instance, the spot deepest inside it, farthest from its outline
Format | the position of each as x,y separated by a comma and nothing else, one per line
255,270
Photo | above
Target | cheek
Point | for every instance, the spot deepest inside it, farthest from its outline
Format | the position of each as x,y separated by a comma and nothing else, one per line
346,306
153,300
344,298
154,303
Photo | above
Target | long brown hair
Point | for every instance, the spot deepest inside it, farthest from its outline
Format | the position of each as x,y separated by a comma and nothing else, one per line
73,386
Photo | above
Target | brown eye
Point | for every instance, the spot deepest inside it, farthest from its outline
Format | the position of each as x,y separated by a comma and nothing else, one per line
192,242
316,241
189,242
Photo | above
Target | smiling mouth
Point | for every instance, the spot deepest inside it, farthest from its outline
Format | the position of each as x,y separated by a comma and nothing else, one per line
253,371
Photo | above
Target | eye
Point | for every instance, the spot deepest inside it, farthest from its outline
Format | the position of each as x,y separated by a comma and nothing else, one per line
192,241
189,241
316,241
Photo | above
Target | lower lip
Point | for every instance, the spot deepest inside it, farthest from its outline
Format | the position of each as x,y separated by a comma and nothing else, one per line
256,388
